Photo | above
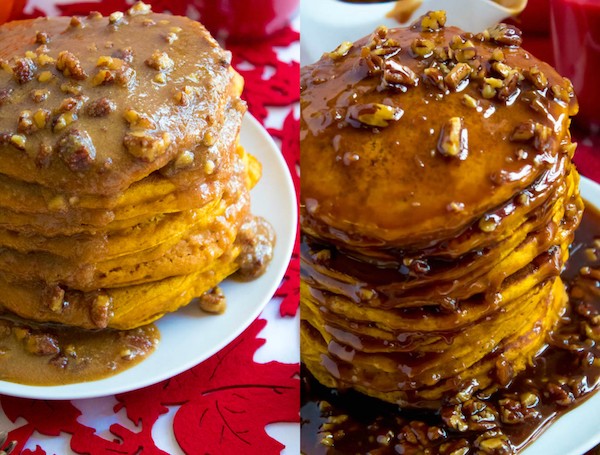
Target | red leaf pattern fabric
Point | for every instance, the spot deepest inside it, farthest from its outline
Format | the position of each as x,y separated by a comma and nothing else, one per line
223,404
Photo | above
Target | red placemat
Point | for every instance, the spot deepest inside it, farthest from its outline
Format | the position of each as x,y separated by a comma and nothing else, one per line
223,404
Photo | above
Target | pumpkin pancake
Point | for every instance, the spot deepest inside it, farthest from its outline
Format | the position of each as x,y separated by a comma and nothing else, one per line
438,204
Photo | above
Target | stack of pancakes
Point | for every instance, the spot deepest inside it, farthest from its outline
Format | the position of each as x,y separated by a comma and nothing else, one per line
123,187
438,204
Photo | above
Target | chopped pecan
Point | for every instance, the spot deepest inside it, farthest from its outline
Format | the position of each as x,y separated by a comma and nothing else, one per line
159,61
536,77
523,132
394,73
457,76
70,66
341,51
145,145
54,298
505,34
433,21
42,38
100,107
5,95
24,70
41,344
453,140
76,149
213,301
101,310
374,114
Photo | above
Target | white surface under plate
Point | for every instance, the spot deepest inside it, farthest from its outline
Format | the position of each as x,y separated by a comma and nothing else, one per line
578,430
190,336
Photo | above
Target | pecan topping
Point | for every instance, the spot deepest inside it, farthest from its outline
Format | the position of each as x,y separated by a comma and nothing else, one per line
341,51
394,73
536,77
42,38
25,124
23,70
457,75
434,77
523,132
453,139
139,8
422,47
54,298
70,66
146,146
374,114
433,21
100,107
505,34
213,301
76,149
5,94
159,61
101,310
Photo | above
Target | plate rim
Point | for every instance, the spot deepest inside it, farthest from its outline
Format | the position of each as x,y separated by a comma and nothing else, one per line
285,244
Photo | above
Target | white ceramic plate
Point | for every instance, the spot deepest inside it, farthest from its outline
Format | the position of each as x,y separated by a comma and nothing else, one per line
579,430
326,23
190,336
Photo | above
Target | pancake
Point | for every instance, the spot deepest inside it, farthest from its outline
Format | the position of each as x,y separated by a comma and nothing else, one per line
124,190
438,204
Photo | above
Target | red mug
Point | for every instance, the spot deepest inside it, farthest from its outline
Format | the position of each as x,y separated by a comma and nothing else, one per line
245,19
576,41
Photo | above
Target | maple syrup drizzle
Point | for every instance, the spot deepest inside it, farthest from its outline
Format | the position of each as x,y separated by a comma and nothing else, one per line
564,375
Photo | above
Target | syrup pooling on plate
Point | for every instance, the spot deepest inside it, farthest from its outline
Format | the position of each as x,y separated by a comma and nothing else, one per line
51,355
494,421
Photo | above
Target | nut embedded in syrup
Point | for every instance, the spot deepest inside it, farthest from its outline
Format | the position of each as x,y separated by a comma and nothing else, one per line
137,120
433,21
213,301
374,114
18,141
115,17
139,8
469,101
457,75
145,145
159,61
42,38
23,70
536,77
76,149
341,51
39,96
453,140
422,47
394,73
100,107
523,132
435,78
505,34
70,66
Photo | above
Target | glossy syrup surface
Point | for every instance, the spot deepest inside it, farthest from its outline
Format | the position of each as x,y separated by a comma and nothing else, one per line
491,421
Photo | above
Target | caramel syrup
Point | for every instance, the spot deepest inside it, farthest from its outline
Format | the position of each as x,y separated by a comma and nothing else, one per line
565,374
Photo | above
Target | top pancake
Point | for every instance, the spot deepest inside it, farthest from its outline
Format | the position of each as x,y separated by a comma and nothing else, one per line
395,150
135,93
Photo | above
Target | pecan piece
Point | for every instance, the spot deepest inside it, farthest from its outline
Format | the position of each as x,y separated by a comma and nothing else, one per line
76,149
394,73
70,66
457,76
453,140
24,70
100,107
505,34
374,114
145,145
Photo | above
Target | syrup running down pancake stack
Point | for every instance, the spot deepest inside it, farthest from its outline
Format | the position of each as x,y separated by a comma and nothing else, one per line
438,204
123,190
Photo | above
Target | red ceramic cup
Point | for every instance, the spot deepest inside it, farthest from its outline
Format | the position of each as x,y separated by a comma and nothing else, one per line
576,40
245,19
